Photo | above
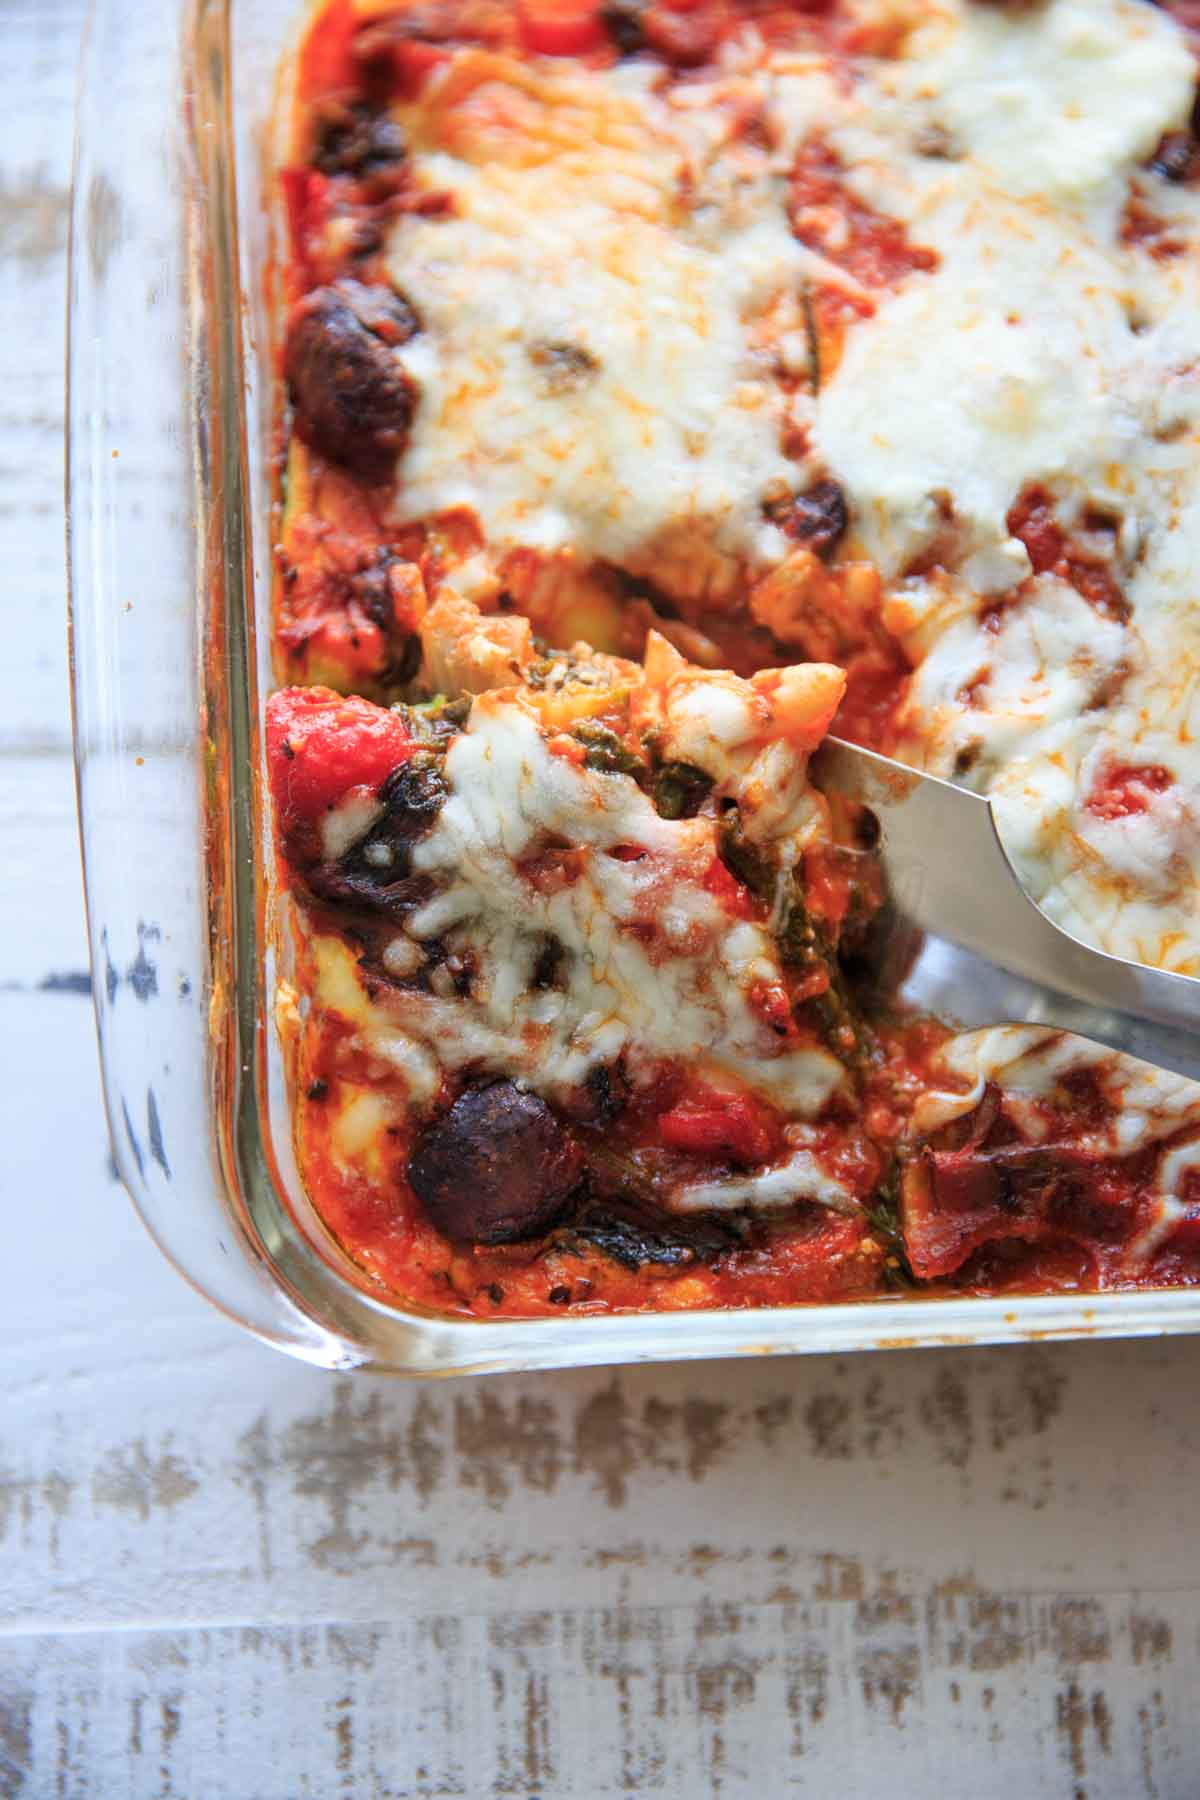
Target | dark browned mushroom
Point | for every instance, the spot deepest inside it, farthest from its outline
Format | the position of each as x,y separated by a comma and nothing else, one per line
353,400
498,1167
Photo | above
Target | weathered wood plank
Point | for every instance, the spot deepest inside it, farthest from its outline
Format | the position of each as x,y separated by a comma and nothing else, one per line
578,1702
42,938
224,1575
37,86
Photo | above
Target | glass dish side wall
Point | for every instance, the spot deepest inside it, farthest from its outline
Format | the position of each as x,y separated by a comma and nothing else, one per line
144,481
169,483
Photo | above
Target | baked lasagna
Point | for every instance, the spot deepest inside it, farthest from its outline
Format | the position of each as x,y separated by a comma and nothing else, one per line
663,384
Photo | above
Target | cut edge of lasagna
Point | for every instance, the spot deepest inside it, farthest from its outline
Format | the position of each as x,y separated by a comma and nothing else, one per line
569,967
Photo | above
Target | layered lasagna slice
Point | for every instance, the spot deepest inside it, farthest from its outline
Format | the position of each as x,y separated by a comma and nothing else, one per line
573,964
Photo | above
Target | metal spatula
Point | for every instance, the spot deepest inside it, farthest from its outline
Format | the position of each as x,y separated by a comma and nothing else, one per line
989,955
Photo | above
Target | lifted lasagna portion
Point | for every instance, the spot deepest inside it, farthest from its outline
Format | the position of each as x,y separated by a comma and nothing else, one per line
571,956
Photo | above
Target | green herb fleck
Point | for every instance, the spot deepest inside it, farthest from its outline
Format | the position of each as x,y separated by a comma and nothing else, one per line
680,789
744,860
436,720
606,752
805,945
813,334
883,1216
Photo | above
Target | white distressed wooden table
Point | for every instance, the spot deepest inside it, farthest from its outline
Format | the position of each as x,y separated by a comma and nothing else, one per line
226,1577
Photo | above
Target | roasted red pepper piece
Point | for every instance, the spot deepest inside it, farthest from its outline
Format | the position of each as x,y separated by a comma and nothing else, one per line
708,1123
561,27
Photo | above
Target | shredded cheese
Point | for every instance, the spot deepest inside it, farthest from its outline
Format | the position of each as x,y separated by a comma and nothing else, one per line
650,966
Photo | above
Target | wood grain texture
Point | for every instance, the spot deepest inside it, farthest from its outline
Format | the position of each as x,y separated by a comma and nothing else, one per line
781,1699
39,41
226,1577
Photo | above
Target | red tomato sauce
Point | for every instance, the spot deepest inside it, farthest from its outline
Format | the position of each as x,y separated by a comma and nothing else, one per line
1053,551
874,251
397,49
1126,789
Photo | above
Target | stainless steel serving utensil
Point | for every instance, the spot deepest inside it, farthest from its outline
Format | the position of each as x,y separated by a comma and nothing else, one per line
989,955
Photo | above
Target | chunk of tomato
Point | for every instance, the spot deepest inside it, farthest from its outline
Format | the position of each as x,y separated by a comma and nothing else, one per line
414,61
327,62
688,34
306,197
1128,788
321,744
561,27
706,1122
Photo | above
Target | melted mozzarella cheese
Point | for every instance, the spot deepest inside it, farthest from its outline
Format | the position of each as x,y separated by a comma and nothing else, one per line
1007,366
587,377
799,1178
1035,672
604,313
607,306
345,823
650,965
1014,362
1052,103
1044,350
1031,1062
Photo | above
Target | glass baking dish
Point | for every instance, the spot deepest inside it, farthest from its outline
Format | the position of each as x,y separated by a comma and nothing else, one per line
169,416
